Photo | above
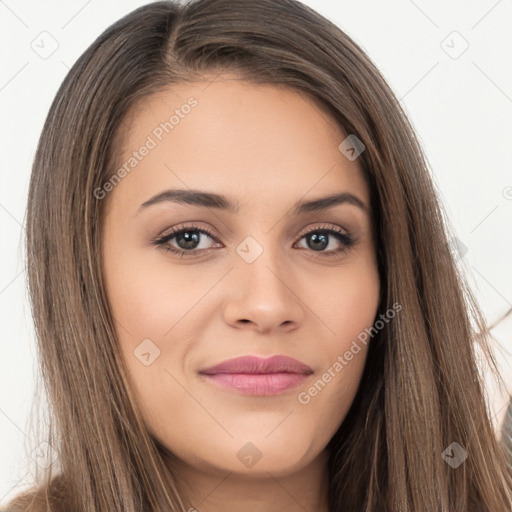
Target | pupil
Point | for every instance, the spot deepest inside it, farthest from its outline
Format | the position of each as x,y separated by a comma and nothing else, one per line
190,239
315,238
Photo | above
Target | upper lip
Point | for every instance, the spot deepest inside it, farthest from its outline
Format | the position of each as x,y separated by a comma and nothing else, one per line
257,365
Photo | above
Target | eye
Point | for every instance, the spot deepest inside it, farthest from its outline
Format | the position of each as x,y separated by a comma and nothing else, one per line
187,240
321,238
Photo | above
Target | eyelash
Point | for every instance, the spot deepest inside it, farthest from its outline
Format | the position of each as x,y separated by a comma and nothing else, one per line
347,240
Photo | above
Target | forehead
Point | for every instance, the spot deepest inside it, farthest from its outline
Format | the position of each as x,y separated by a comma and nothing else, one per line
226,134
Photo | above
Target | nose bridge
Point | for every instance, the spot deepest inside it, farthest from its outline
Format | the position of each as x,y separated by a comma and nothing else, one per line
261,262
263,292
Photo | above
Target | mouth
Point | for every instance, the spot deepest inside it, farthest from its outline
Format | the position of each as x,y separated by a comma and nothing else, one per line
257,376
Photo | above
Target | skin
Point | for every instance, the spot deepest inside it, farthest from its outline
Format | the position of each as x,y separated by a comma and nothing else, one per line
265,147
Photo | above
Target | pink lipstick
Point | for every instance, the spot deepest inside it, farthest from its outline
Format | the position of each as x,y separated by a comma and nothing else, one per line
258,376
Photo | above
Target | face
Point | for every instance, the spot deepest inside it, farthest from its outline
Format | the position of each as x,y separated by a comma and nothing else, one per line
195,279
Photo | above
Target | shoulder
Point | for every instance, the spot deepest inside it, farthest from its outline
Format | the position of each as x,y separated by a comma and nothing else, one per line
24,502
30,500
42,497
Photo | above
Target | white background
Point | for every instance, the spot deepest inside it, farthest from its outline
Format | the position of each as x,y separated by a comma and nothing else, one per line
461,108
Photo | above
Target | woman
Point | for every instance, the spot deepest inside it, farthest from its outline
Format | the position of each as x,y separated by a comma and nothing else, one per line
242,283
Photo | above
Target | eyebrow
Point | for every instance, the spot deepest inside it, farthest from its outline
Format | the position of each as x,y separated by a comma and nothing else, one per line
218,201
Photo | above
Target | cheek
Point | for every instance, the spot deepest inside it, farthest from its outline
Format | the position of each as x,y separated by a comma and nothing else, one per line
348,313
349,302
147,299
151,309
156,312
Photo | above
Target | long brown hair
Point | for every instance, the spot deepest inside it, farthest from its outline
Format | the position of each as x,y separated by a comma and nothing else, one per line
421,389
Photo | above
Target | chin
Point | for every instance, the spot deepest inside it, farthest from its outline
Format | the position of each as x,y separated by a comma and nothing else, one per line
258,458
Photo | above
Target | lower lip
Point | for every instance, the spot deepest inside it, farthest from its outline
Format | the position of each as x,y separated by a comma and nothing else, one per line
264,384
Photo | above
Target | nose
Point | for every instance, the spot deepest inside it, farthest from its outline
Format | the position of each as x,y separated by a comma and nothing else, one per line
263,297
